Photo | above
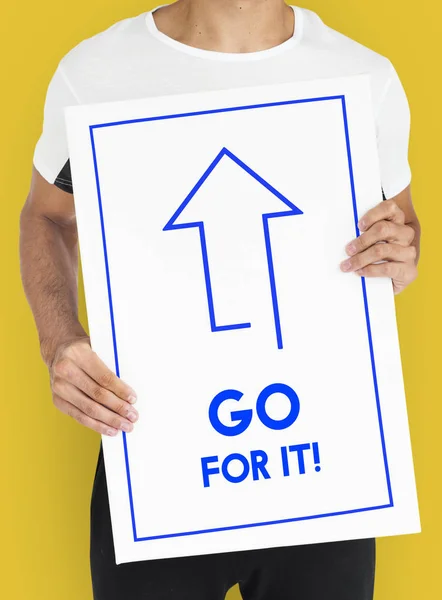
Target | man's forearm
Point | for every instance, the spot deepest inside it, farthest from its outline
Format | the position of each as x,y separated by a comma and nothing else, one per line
49,268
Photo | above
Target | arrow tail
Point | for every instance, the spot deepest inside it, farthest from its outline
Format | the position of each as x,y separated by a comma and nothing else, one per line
272,281
210,303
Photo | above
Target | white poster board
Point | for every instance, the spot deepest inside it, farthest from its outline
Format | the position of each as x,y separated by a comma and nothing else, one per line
271,400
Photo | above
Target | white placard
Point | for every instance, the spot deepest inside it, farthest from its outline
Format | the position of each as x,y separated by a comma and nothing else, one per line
271,400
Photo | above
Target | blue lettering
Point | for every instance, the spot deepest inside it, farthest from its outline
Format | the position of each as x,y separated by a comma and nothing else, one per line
277,388
244,417
259,460
209,471
235,478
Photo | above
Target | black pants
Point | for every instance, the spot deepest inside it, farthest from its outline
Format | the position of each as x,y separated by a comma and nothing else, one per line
332,571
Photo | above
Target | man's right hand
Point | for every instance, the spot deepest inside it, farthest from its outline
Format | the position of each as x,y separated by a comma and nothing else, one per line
86,390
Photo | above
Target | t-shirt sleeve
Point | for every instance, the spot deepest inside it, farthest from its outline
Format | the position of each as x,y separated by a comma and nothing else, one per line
51,150
393,132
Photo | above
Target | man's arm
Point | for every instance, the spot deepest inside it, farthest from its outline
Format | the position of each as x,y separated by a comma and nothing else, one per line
83,387
49,264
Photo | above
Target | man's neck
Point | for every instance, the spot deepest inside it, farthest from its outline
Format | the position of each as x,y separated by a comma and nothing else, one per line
227,25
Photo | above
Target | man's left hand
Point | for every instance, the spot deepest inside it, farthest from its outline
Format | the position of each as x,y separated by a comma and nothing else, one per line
384,223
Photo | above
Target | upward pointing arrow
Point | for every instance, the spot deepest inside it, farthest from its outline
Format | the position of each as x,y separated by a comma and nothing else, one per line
278,205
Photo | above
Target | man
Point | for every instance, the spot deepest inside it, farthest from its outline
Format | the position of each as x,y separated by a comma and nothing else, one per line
188,46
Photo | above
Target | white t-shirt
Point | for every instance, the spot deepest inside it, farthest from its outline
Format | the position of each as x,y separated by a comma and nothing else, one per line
133,59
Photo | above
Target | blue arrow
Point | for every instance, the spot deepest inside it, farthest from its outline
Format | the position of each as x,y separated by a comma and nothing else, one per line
289,209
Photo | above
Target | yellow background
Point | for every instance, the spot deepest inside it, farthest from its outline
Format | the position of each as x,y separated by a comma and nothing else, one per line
48,461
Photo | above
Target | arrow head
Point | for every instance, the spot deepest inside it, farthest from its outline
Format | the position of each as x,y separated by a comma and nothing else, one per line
248,193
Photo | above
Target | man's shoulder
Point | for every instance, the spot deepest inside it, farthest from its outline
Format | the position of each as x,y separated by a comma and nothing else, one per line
109,45
340,47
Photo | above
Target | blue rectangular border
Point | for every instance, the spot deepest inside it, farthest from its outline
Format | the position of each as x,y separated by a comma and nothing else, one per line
340,99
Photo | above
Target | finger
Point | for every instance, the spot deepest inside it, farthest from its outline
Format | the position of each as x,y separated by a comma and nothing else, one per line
95,411
72,411
386,269
90,362
70,372
403,273
379,252
385,211
382,231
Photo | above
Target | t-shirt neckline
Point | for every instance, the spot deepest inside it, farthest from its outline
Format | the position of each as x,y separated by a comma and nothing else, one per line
227,56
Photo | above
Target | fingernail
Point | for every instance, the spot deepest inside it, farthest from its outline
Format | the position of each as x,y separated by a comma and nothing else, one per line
112,432
350,248
127,427
361,224
132,398
346,265
132,416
